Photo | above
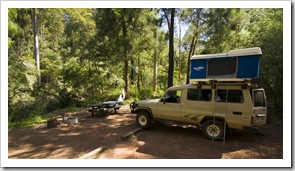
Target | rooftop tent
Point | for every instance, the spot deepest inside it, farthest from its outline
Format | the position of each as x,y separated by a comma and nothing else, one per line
236,64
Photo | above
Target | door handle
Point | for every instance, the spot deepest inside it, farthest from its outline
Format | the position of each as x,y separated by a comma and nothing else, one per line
237,113
176,107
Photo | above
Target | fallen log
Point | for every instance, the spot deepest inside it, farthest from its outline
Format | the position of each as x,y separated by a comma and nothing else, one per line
129,134
93,153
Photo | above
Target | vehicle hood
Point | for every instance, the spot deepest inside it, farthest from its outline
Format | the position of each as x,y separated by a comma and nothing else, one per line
149,101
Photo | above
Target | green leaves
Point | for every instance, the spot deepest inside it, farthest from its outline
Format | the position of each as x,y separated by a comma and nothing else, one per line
83,52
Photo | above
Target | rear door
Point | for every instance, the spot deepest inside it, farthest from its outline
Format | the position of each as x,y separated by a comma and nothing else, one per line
259,107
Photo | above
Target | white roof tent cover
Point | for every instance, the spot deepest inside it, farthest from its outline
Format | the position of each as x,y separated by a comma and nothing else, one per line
231,53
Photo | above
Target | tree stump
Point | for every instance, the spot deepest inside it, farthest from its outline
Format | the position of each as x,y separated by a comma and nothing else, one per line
51,123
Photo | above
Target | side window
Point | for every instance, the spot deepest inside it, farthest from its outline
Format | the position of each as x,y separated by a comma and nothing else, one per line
199,94
220,96
235,96
230,96
171,97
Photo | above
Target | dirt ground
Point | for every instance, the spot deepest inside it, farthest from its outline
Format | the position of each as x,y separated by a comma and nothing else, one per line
162,141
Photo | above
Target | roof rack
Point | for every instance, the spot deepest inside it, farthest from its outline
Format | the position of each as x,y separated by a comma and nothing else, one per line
213,82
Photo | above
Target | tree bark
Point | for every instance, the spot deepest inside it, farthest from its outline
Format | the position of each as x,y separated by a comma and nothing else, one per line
126,66
171,49
36,46
139,74
132,71
155,61
126,61
179,50
189,60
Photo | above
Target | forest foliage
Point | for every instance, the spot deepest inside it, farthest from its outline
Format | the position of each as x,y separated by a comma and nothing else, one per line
90,55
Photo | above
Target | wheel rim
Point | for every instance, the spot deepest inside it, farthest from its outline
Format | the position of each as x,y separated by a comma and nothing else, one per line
142,120
213,131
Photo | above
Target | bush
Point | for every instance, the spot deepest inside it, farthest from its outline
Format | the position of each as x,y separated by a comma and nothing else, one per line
145,94
26,122
23,111
52,105
69,98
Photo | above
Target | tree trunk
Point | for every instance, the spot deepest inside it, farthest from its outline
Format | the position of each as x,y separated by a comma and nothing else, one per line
36,46
132,72
139,74
155,62
171,49
179,50
126,61
92,83
126,77
189,60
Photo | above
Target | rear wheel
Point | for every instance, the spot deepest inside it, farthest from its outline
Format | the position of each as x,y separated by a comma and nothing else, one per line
213,130
143,119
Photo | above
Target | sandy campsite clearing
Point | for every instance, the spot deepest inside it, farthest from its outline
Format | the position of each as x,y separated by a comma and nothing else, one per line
162,141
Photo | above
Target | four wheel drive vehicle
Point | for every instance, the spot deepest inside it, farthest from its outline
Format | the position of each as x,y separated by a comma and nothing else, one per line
212,107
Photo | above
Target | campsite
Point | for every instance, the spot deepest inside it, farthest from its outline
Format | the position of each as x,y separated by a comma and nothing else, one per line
89,83
163,141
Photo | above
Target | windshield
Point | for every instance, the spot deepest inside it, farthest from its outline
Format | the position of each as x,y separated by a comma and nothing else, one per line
171,97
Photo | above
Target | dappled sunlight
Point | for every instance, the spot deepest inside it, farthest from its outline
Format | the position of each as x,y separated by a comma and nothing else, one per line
48,146
125,151
60,152
242,154
168,141
77,61
259,152
115,125
111,134
22,149
44,132
69,134
70,141
25,138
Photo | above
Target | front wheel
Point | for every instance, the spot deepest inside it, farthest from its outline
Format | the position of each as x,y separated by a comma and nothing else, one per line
143,119
213,130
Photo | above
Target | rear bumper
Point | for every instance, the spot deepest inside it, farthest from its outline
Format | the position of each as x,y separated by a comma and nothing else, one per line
259,119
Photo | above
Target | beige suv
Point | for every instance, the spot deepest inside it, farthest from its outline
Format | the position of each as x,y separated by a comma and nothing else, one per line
212,107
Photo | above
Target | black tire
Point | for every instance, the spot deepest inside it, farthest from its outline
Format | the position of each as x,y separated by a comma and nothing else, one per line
143,119
213,130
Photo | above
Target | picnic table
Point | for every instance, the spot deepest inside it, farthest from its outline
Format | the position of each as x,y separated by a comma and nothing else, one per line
104,107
